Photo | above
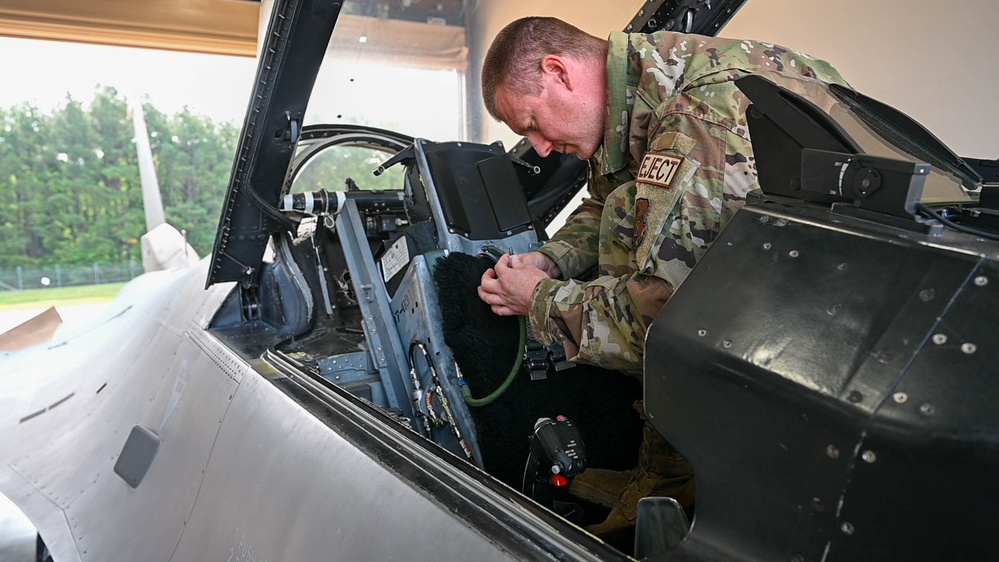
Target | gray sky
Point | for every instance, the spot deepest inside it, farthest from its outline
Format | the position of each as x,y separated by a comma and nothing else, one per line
42,72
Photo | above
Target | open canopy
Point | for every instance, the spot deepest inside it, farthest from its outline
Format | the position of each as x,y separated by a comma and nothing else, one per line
396,65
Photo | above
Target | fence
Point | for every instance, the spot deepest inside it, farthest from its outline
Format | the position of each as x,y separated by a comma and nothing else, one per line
18,278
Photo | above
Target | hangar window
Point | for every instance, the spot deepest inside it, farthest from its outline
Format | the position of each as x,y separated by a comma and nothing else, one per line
342,167
406,76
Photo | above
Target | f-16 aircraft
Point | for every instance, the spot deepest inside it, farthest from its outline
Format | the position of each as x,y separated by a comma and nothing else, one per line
327,385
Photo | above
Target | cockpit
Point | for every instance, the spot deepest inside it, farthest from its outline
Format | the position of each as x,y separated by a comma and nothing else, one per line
374,240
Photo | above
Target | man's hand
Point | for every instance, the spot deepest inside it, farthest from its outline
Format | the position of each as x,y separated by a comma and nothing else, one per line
507,288
542,262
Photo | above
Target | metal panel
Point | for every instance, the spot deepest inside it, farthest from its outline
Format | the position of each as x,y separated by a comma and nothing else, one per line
136,456
86,391
249,466
372,298
927,463
448,239
344,488
185,411
417,311
778,360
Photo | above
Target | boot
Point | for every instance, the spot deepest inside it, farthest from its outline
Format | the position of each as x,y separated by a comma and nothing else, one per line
661,471
600,485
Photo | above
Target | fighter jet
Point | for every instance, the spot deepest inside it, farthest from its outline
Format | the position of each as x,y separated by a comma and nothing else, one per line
327,385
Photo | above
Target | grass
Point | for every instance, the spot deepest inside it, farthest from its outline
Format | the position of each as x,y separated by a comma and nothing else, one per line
58,296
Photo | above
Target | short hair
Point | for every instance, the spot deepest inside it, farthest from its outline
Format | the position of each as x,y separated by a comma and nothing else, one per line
514,58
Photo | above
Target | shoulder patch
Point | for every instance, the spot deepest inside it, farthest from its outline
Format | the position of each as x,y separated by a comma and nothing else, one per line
659,169
641,212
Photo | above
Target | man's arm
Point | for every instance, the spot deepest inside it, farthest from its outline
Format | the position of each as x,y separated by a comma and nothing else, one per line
575,247
602,322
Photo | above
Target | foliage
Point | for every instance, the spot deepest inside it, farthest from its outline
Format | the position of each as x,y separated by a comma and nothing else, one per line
69,182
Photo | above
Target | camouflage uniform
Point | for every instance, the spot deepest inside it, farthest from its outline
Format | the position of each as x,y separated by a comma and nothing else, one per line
675,165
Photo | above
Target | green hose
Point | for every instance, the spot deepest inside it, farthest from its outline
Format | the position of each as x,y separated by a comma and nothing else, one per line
466,393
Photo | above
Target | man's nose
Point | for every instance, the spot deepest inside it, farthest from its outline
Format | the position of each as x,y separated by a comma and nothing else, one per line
541,145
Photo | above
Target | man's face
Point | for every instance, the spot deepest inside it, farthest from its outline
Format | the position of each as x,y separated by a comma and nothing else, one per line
562,119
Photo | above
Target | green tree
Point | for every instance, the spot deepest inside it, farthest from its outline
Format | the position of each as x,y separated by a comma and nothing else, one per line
193,161
26,167
98,176
70,191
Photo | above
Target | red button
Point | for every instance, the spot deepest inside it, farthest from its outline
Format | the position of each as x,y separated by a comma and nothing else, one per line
559,481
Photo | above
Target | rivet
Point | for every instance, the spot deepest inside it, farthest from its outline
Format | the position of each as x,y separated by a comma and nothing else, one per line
847,528
969,348
834,309
817,504
900,397
981,280
927,409
868,456
702,333
781,222
793,253
766,245
939,339
832,451
854,397
841,267
926,295
727,344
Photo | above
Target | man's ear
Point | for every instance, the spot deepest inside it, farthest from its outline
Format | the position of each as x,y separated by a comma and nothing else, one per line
557,68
